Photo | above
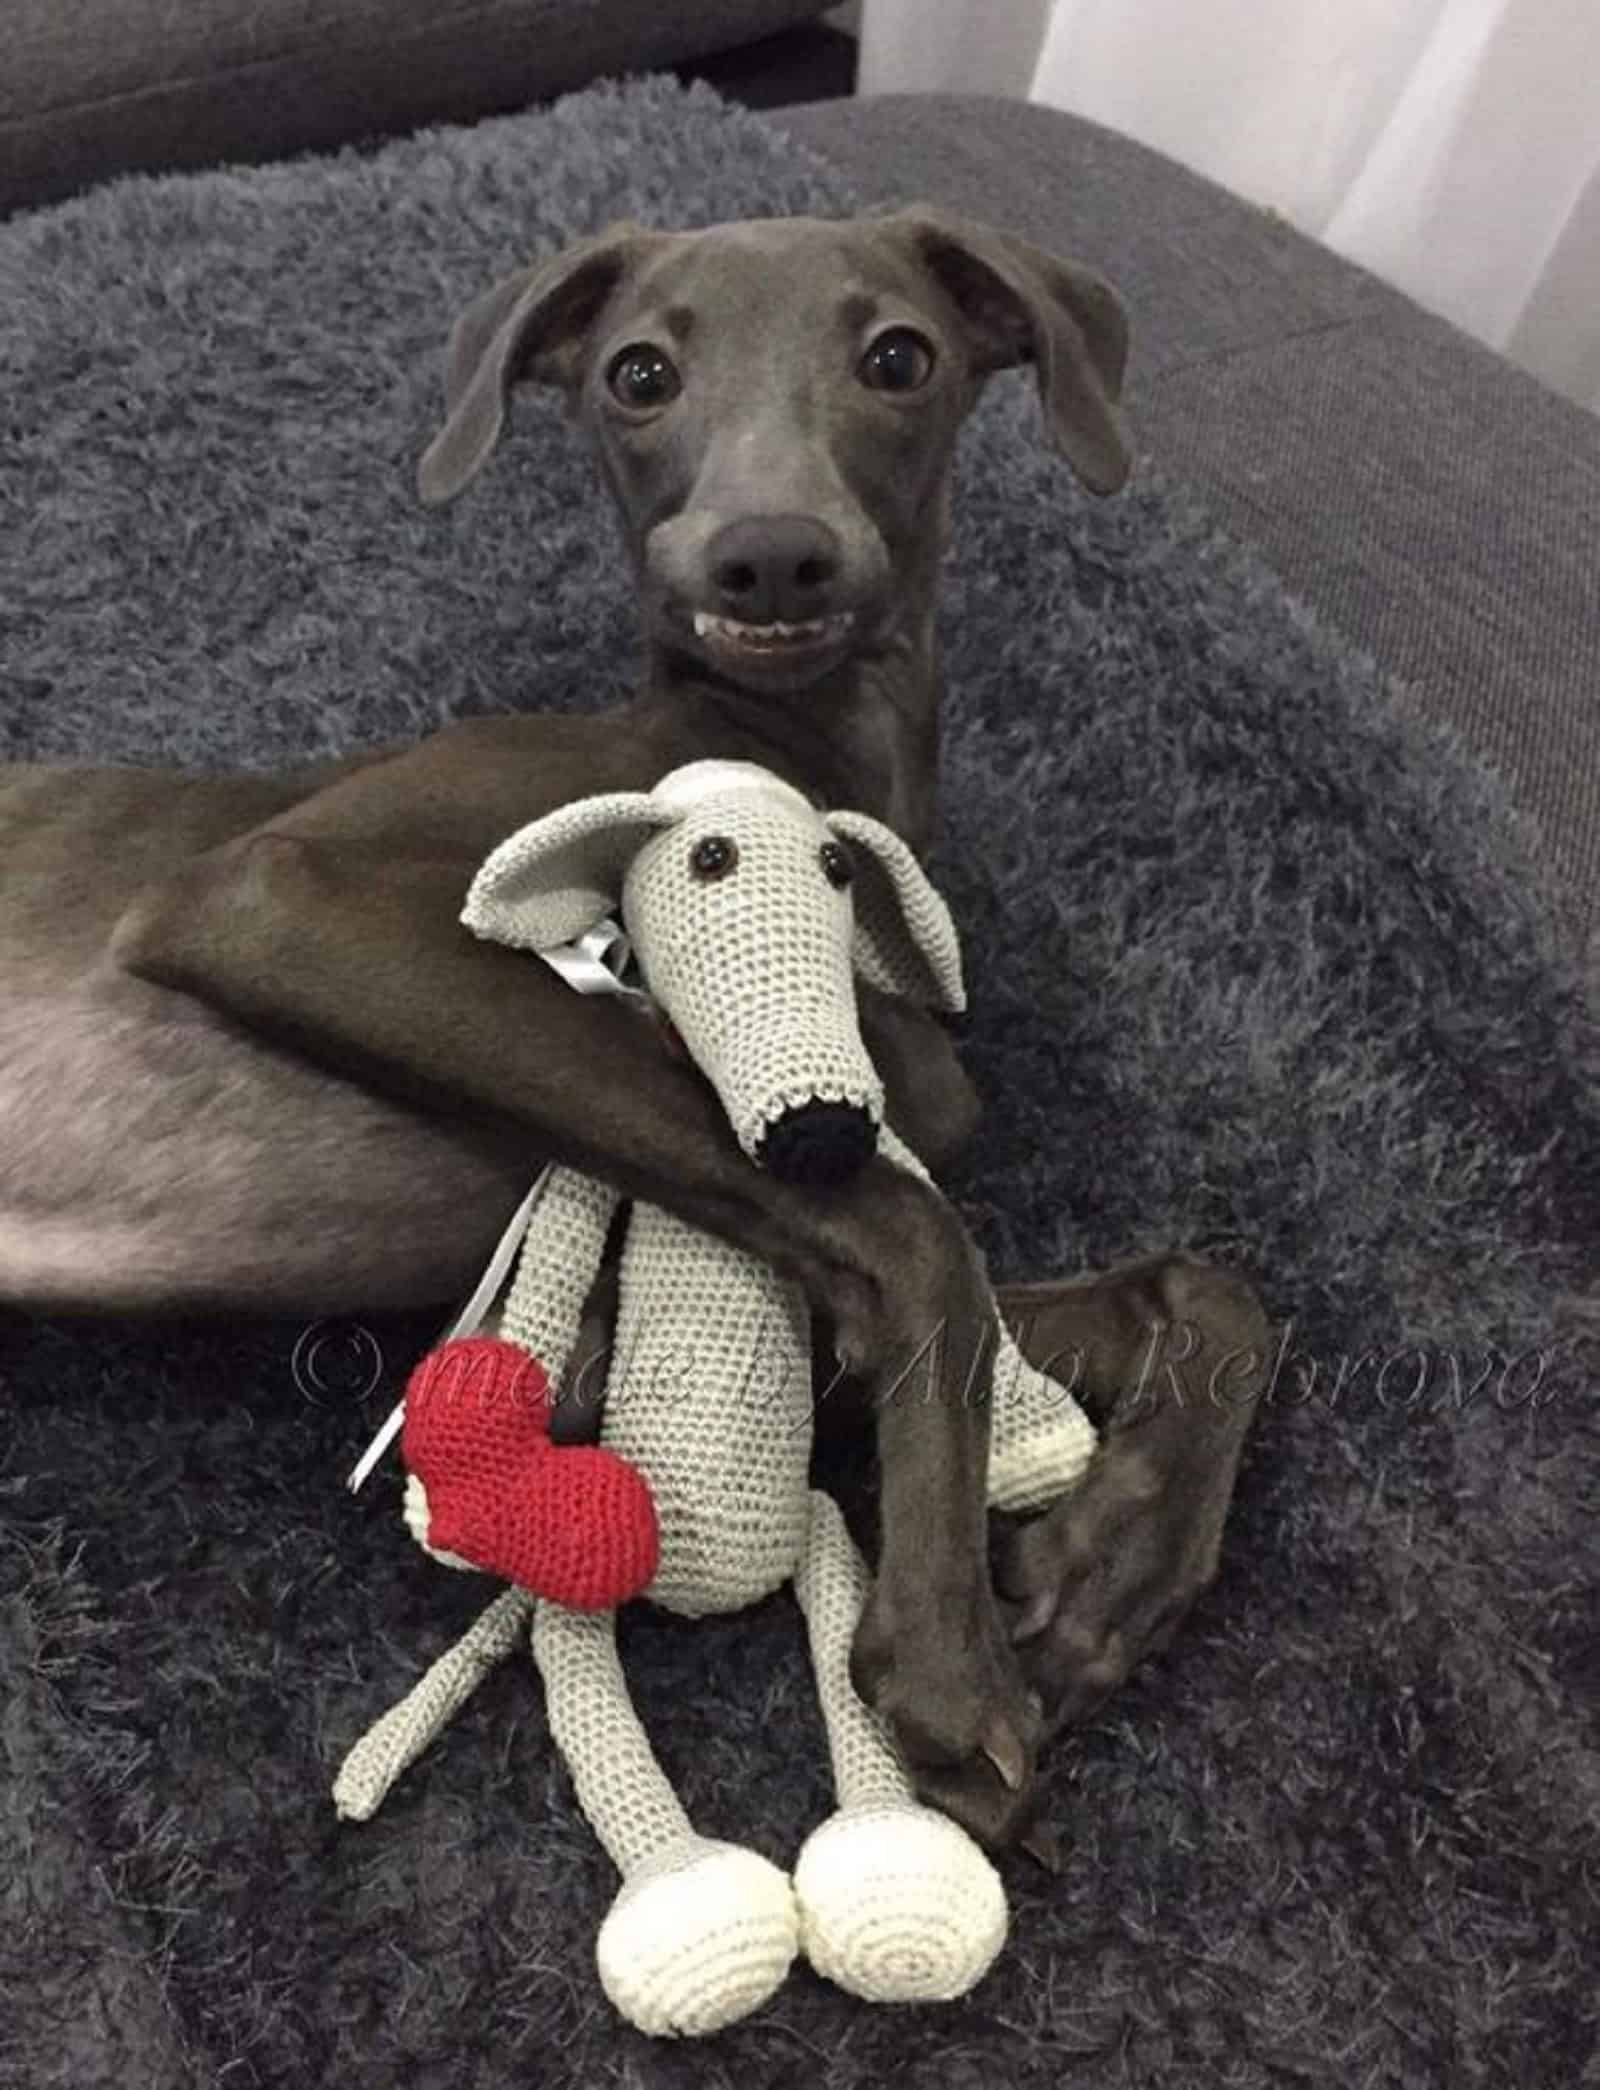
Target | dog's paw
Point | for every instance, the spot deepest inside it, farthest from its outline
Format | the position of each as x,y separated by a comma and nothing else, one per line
1106,1575
944,1677
1102,1579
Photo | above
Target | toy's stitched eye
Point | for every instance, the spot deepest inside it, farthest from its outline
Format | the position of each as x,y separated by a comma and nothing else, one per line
641,376
836,864
713,856
900,360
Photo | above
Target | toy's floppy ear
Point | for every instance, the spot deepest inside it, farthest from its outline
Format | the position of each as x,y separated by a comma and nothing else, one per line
905,939
556,877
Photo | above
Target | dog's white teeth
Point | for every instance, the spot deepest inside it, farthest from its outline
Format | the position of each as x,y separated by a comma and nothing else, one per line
706,626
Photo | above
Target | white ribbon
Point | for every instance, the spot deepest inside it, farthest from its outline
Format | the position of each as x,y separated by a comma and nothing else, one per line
598,962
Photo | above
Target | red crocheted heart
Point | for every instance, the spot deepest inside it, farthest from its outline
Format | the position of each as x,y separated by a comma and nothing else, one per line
477,1390
574,1523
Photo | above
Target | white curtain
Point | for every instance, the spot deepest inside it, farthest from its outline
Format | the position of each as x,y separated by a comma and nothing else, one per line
1453,146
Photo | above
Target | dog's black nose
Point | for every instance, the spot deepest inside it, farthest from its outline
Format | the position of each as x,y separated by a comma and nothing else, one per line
772,569
819,1143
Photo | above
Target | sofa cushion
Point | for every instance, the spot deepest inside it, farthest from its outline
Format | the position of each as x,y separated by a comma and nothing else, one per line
89,88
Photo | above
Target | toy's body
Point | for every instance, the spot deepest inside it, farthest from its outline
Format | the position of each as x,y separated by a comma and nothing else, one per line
740,911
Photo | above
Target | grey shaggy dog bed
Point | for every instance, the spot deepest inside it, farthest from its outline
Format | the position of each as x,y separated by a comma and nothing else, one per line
1257,968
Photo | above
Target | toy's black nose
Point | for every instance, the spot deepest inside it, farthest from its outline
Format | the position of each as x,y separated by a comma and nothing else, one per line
820,1143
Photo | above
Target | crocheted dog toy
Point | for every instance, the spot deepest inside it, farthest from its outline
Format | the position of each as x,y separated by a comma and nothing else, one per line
747,909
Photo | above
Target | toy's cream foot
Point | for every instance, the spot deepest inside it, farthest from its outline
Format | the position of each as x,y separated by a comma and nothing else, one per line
697,1939
898,1905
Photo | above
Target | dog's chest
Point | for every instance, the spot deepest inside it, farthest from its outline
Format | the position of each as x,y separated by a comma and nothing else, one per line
882,755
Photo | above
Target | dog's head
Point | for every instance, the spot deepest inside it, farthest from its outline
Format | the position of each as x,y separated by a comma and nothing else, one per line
775,403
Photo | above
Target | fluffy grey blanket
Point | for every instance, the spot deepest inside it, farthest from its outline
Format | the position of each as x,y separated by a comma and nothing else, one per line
1258,967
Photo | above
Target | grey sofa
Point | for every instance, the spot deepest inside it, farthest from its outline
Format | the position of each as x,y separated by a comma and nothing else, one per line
89,90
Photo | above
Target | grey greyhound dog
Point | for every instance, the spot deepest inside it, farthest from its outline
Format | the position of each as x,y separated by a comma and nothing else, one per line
248,1056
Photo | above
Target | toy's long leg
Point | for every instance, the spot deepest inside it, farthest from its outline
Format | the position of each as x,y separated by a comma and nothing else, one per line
561,1252
831,1584
701,1932
897,1903
621,1787
1040,1440
406,1729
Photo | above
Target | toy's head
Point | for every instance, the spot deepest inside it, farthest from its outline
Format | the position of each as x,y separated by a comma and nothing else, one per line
747,909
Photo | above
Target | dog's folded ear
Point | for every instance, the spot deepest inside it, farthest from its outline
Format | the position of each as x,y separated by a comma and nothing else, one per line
1022,305
554,879
531,325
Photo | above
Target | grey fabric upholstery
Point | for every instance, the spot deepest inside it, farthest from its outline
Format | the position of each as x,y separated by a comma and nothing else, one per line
1431,502
91,88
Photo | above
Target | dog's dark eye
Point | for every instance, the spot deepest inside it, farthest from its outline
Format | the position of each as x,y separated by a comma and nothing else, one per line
837,865
713,856
643,376
898,361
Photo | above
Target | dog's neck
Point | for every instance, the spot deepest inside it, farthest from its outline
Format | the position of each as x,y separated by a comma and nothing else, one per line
865,735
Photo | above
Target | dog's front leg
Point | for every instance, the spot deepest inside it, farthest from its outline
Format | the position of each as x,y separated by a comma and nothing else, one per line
932,1651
